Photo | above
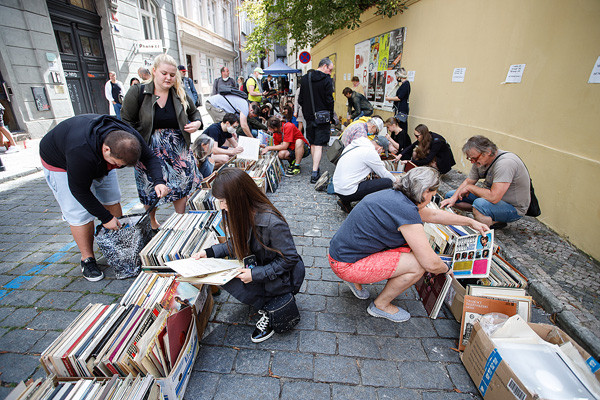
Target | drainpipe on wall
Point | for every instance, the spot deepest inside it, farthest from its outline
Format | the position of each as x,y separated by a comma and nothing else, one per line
237,48
179,46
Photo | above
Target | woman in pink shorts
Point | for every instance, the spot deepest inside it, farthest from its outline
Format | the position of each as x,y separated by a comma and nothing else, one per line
383,239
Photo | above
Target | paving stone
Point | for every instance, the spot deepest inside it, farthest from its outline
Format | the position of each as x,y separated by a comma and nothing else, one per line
401,349
215,359
282,341
245,387
17,367
5,391
448,396
379,373
336,369
21,297
447,328
308,321
14,256
83,285
5,312
348,305
20,340
254,362
58,300
398,394
424,375
358,346
441,350
62,269
19,317
202,386
310,302
6,267
336,323
94,298
214,334
461,379
369,325
416,327
293,365
305,390
318,342
53,320
233,313
345,392
44,342
239,336
322,288
53,283
118,286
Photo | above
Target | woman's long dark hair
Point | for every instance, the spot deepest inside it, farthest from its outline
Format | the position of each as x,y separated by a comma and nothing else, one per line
423,147
244,199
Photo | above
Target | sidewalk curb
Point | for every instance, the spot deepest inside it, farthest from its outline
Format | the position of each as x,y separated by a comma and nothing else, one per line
20,174
565,319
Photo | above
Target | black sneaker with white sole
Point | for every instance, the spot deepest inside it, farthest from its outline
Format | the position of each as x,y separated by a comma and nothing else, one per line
90,270
263,329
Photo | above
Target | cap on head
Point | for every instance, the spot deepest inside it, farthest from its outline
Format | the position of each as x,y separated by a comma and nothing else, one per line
378,123
383,142
259,70
182,68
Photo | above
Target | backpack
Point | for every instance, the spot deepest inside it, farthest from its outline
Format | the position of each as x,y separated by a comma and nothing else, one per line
245,87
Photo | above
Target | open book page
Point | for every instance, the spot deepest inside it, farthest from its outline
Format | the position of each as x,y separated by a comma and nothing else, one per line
189,267
219,278
251,147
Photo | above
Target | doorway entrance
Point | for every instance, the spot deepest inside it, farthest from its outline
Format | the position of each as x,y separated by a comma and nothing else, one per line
77,33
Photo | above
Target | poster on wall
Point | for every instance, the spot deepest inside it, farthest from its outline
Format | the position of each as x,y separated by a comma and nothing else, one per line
384,55
361,62
333,58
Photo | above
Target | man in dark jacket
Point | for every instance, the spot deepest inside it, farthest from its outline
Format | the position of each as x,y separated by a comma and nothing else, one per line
322,90
358,105
79,157
224,81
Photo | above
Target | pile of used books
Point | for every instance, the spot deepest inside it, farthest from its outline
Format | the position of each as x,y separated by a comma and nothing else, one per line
180,236
129,388
203,200
154,332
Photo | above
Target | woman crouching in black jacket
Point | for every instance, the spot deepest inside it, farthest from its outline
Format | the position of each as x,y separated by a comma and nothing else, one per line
256,228
430,149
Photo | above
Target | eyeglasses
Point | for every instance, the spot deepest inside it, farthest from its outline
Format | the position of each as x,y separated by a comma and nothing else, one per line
474,159
417,136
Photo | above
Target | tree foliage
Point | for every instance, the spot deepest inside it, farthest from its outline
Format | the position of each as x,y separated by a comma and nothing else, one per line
307,21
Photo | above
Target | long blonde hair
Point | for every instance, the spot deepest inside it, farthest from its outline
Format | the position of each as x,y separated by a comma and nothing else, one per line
178,85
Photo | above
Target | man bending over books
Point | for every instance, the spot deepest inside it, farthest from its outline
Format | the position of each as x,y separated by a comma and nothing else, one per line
289,142
383,238
80,157
506,195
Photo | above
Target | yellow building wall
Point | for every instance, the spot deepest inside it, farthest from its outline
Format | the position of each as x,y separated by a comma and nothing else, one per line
551,119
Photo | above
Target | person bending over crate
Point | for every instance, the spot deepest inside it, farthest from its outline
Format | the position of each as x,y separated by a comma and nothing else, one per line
80,157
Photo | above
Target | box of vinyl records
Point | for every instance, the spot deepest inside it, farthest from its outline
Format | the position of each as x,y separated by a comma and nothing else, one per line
504,369
455,299
174,385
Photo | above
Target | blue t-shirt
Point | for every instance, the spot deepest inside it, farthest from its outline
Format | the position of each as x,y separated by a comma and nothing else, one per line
372,226
215,132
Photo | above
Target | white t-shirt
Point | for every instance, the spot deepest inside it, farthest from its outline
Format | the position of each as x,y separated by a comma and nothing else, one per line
354,167
241,105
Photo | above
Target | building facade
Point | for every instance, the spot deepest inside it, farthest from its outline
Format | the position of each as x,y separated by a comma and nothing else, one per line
55,55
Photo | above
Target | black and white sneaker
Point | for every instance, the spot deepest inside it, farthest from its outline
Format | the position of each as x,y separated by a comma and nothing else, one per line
263,329
90,270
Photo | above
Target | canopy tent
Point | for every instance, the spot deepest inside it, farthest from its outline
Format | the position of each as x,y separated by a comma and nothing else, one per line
279,67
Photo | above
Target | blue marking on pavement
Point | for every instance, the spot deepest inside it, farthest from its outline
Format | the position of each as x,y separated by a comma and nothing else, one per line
68,247
17,282
129,206
4,293
37,269
54,258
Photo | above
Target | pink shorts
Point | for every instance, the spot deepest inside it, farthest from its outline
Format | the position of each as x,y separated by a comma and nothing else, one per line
374,268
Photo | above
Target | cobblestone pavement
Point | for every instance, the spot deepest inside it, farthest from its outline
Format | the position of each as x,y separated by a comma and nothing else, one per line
336,352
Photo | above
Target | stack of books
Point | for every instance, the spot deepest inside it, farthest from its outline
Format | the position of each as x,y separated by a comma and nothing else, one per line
203,200
180,236
129,388
141,336
267,168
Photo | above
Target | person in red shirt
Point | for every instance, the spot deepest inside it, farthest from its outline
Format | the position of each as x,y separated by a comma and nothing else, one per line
289,142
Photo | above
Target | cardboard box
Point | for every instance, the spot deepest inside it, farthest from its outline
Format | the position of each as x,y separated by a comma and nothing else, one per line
455,299
494,378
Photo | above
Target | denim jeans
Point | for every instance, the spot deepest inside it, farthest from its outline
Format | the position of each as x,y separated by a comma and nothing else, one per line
499,212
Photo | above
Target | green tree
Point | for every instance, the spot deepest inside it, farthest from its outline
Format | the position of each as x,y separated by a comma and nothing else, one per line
307,21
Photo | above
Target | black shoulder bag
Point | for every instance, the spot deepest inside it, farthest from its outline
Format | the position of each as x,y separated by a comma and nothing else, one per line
321,117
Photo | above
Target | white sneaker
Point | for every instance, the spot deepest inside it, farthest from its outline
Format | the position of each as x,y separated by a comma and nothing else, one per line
12,149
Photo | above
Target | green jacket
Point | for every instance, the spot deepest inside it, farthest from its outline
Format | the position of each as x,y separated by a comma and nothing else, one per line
140,114
356,104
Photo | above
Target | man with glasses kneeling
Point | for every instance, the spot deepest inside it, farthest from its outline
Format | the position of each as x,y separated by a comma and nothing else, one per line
506,193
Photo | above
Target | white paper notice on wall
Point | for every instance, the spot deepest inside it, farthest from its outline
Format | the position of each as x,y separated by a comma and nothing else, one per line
595,75
515,73
459,74
411,76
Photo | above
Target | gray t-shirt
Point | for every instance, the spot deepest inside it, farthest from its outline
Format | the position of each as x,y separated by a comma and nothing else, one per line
508,168
240,105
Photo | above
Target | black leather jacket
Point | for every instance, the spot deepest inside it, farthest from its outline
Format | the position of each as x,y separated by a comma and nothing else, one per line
275,274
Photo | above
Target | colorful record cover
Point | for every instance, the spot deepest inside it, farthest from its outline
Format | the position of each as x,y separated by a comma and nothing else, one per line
473,256
180,295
